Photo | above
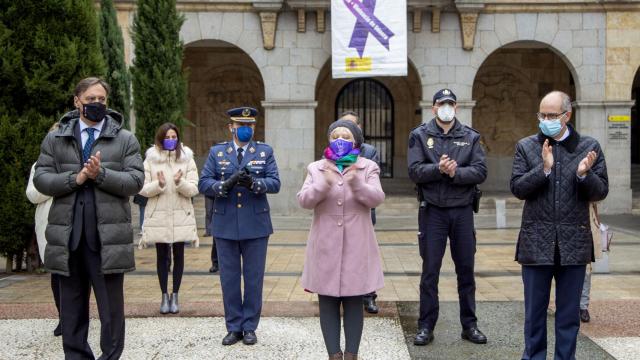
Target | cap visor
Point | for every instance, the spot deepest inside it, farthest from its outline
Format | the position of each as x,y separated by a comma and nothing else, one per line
445,98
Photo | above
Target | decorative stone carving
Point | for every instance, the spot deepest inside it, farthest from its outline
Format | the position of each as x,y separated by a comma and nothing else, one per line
302,21
417,20
435,20
468,23
269,20
320,21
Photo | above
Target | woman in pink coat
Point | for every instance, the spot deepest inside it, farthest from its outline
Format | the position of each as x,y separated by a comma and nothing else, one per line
342,257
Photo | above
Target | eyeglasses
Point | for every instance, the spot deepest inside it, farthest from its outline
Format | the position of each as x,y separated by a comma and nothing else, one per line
547,116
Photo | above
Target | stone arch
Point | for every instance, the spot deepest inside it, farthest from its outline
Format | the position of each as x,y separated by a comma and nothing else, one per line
507,89
406,92
221,76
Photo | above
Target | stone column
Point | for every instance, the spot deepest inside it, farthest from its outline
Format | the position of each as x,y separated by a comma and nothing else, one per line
592,120
290,130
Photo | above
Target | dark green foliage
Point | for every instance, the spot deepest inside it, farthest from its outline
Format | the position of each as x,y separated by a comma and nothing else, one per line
159,84
46,47
113,52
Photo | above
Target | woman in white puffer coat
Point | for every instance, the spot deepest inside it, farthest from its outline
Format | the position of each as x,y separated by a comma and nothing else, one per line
171,180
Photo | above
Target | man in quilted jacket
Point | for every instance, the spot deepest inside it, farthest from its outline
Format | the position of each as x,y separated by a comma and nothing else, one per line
558,172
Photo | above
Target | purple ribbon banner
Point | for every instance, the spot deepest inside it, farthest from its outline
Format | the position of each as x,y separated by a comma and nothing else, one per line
366,23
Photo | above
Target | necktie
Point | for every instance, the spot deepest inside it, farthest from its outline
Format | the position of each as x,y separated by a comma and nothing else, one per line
240,150
86,150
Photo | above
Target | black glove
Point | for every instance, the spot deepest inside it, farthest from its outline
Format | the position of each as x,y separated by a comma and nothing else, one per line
231,182
245,180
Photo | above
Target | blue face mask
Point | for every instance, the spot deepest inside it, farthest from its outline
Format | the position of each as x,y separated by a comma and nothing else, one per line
243,133
550,128
341,147
170,144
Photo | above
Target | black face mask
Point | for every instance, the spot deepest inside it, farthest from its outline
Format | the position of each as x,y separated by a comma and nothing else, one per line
94,111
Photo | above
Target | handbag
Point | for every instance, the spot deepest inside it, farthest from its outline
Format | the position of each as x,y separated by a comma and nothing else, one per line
605,232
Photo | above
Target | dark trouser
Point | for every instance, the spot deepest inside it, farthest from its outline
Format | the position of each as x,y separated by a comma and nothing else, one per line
214,253
330,322
85,273
163,263
208,215
55,289
436,224
537,286
242,258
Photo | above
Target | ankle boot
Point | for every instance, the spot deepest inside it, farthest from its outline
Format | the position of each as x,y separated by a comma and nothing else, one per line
336,356
164,306
174,308
350,356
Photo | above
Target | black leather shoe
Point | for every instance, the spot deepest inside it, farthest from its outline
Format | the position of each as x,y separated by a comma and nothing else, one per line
584,315
214,268
58,330
370,305
250,338
474,335
423,337
232,338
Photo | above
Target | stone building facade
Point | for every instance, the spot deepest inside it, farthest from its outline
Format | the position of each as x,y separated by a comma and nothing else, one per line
500,57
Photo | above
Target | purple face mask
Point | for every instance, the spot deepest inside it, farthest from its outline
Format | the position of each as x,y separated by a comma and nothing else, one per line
170,144
341,147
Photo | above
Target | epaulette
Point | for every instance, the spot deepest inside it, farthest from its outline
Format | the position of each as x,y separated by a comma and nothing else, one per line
472,129
223,143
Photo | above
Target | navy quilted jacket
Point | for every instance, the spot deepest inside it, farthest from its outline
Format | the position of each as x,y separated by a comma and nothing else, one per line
556,208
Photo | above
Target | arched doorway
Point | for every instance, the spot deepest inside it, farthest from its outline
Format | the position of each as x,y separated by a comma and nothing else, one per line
635,136
221,77
374,104
507,89
389,108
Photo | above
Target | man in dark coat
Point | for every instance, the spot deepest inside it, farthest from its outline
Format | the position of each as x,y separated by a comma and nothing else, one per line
558,173
90,165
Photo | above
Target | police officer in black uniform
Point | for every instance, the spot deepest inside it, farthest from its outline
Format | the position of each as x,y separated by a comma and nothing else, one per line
447,163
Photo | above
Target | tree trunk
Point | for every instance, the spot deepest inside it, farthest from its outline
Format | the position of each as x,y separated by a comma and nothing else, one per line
9,265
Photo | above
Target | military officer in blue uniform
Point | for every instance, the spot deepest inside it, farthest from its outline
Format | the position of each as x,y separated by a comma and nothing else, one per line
239,174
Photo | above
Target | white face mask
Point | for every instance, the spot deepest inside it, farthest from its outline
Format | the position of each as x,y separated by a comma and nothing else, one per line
446,113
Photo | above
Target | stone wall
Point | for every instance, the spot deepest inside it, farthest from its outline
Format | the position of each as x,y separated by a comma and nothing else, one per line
291,75
220,78
507,89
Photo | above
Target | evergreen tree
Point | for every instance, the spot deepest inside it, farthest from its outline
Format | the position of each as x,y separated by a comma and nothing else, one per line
47,47
113,53
159,85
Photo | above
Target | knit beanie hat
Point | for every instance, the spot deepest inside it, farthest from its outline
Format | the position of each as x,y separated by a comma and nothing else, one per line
355,131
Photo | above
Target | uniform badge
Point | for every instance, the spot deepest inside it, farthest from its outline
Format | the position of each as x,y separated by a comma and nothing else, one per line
262,154
229,150
252,150
446,92
246,112
219,153
430,143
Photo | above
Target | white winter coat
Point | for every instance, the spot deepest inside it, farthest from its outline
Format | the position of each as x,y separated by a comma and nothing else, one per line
169,216
42,211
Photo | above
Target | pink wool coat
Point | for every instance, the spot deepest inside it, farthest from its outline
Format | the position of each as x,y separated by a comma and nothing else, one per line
342,256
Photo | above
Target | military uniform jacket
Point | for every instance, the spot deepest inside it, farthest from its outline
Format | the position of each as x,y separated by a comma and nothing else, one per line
240,214
427,143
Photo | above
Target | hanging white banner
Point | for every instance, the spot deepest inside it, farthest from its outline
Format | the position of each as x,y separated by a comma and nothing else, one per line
368,38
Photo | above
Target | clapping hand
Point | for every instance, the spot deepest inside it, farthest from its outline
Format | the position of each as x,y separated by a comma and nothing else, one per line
586,163
177,177
547,156
161,180
447,166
